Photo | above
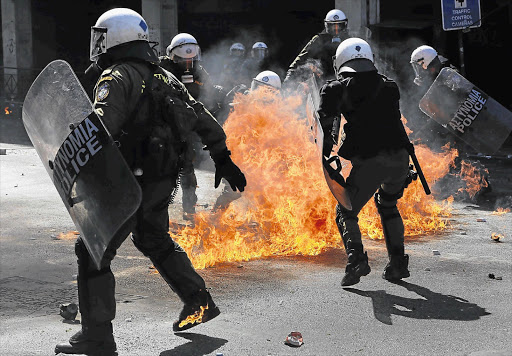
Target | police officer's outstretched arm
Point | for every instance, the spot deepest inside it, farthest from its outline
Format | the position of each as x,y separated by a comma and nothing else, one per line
214,138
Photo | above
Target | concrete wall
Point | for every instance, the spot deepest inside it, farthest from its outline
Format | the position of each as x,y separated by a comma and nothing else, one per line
360,14
16,44
162,19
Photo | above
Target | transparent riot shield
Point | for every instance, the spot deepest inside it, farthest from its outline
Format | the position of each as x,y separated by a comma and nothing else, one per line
331,165
467,112
85,165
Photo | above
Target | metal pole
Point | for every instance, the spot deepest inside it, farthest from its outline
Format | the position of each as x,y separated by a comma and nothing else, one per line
461,54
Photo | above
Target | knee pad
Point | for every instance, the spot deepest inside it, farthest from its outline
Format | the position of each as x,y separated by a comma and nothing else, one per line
386,204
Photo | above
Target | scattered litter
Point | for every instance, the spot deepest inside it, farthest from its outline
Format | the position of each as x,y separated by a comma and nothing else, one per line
219,354
463,233
436,252
294,339
427,269
496,237
492,276
3,151
481,220
68,311
128,320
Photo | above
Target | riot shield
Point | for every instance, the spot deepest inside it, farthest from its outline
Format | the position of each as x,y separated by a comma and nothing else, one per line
467,112
331,165
85,165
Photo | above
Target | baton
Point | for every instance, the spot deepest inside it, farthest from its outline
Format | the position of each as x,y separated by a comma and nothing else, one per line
410,149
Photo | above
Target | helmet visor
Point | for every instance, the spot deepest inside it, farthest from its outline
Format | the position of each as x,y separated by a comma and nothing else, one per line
259,53
255,84
98,44
335,28
419,73
237,52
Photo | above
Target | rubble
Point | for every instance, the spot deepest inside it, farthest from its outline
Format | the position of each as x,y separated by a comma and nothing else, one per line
68,311
294,339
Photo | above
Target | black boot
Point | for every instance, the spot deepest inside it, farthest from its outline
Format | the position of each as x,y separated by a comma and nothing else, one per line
396,268
357,266
91,341
200,309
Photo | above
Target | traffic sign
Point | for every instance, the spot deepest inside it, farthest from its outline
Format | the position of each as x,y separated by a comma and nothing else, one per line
460,14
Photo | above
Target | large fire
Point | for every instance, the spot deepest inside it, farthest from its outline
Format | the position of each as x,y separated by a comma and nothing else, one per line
287,208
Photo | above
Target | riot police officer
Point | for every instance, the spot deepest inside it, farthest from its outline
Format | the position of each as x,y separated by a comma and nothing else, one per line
183,60
149,113
316,56
230,75
375,141
258,61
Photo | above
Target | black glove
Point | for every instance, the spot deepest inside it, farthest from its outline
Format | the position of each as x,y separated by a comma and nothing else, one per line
225,168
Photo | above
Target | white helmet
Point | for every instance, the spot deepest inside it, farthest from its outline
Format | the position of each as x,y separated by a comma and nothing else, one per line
335,22
116,27
184,47
266,78
237,49
421,58
423,55
353,55
259,50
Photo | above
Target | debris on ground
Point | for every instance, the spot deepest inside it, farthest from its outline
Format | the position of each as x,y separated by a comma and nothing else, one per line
294,339
492,276
68,311
436,252
496,237
481,220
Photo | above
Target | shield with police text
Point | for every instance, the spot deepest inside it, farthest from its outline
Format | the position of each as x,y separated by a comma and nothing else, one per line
467,112
83,161
331,165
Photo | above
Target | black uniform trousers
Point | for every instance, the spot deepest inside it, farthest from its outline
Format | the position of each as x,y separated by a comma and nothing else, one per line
96,289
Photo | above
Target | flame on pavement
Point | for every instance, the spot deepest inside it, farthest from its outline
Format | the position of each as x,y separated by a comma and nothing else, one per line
287,207
70,235
501,211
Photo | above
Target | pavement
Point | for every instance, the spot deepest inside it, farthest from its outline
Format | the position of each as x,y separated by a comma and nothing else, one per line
456,302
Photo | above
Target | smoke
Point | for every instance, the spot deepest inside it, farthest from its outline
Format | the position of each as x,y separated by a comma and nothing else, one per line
217,55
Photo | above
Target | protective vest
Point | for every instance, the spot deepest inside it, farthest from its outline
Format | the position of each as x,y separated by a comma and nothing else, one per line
153,140
370,104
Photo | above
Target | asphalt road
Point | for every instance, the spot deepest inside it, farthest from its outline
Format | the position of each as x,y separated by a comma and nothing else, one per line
449,305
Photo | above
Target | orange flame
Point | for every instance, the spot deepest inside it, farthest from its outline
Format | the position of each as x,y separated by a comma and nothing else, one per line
474,178
496,237
197,317
287,208
7,111
501,211
71,235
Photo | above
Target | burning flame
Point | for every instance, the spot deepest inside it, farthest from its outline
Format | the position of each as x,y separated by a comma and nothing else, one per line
474,178
501,211
496,237
71,235
7,111
197,317
287,207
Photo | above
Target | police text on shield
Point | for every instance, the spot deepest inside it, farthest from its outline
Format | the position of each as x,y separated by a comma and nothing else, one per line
75,152
468,110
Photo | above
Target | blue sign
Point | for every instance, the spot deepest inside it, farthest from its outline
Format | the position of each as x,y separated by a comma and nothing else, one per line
460,14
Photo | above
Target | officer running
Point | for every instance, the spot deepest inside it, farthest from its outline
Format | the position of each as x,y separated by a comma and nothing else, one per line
149,113
376,143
